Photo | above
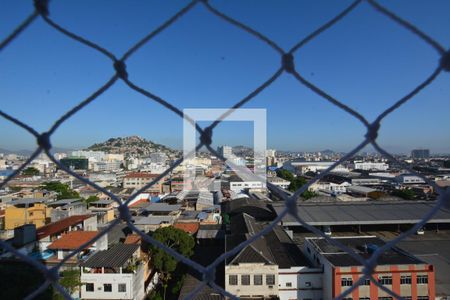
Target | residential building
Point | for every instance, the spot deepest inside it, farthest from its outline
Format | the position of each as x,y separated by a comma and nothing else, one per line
104,209
138,180
225,151
75,163
27,211
409,179
280,182
116,273
420,153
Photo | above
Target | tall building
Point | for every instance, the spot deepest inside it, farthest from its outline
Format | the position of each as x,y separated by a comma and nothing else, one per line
420,153
225,151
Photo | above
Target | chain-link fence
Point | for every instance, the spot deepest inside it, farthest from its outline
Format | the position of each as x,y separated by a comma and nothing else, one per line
287,64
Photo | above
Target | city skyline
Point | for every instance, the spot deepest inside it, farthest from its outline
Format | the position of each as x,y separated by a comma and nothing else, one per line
215,66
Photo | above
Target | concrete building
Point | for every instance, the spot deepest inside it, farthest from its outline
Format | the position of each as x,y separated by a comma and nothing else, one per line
420,153
27,211
138,180
409,179
116,273
225,151
238,185
301,167
397,270
369,166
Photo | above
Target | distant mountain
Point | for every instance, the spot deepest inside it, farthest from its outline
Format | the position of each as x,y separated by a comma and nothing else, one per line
26,152
131,146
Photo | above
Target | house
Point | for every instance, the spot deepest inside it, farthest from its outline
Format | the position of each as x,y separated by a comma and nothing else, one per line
64,208
49,233
151,223
27,211
104,209
116,273
72,240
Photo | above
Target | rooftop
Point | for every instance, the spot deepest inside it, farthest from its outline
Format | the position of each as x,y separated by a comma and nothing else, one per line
364,246
59,226
363,213
114,257
190,228
73,239
141,175
162,207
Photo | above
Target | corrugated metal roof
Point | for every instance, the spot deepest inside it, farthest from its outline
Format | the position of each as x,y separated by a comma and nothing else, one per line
114,257
364,213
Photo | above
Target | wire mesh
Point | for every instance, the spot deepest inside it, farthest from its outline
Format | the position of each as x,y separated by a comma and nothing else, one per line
43,140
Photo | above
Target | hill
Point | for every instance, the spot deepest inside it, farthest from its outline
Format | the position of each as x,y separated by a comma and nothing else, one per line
132,146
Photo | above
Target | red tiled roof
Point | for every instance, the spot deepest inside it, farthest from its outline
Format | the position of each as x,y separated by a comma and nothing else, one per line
190,228
141,175
59,226
139,202
132,239
73,239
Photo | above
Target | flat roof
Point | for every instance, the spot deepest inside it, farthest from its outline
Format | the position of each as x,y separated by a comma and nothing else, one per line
162,207
363,213
361,244
114,257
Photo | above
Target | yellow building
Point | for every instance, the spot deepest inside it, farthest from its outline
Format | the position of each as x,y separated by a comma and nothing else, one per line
26,211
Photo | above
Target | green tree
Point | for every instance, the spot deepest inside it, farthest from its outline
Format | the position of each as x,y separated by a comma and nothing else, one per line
407,194
63,190
309,194
30,171
70,280
285,174
165,263
90,199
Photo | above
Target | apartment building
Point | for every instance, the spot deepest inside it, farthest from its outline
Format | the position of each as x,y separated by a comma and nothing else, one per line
138,180
116,273
397,270
27,211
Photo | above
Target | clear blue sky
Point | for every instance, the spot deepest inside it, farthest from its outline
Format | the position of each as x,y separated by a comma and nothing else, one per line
366,61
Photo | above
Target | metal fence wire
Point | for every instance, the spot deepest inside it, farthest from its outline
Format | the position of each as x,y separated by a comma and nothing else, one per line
287,64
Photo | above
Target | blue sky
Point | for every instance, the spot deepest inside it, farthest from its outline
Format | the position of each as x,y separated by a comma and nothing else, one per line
366,61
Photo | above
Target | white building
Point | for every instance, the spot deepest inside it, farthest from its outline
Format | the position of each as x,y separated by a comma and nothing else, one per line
369,166
301,167
238,185
117,273
95,155
225,151
409,179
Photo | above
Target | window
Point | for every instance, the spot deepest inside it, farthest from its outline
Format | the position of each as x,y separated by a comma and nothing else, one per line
405,279
107,287
270,279
364,298
422,298
122,287
232,280
257,279
89,287
422,279
308,283
385,280
407,297
245,279
346,282
348,298
384,298
288,284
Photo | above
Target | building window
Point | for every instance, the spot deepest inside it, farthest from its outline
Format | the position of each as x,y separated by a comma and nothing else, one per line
407,297
366,281
308,283
122,287
288,284
107,287
422,298
270,279
348,298
257,279
385,280
384,298
233,279
405,279
346,282
89,287
364,298
245,279
422,279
